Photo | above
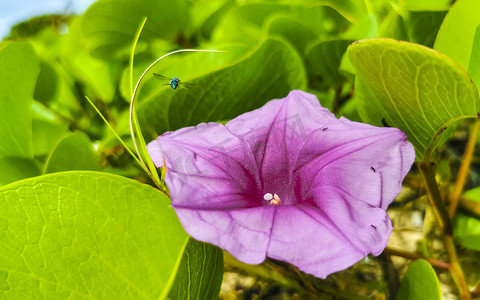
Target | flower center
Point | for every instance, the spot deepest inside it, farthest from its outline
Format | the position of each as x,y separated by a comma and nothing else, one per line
273,199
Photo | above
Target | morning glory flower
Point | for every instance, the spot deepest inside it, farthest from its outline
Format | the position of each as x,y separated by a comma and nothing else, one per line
289,181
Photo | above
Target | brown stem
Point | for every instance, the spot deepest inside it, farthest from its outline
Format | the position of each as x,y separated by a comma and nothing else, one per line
428,173
288,279
412,255
427,169
464,167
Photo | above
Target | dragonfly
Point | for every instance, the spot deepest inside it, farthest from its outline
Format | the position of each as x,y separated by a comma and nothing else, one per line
174,82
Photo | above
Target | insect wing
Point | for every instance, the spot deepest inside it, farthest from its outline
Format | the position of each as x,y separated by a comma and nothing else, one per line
161,77
187,84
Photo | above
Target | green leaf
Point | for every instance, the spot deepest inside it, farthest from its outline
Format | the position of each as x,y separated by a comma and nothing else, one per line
244,24
109,26
73,152
467,228
473,68
323,61
17,168
393,26
411,87
353,10
47,84
46,135
227,92
99,77
19,68
423,26
200,272
455,37
366,28
291,30
89,235
419,282
427,5
207,14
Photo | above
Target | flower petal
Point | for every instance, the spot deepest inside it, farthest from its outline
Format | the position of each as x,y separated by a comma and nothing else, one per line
244,233
365,162
305,237
207,167
275,133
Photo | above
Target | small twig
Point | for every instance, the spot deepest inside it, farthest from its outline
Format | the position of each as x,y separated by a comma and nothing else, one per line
412,255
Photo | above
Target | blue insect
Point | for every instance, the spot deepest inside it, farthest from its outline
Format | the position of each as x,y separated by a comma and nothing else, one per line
174,82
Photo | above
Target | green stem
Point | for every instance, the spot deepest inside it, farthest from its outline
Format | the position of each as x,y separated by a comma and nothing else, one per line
135,127
464,168
427,169
113,131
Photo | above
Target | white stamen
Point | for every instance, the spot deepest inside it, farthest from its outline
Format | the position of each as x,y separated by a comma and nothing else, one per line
268,197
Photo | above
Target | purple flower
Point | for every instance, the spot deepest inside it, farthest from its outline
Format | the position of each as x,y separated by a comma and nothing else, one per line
289,181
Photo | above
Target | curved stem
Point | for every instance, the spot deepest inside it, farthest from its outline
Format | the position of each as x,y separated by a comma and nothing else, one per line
150,169
433,142
464,167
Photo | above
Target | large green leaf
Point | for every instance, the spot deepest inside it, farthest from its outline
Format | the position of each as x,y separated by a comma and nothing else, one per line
245,24
19,68
89,235
411,87
467,228
200,272
73,152
267,73
109,26
455,37
419,282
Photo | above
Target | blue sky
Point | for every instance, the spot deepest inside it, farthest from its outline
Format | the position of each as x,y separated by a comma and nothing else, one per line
15,11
